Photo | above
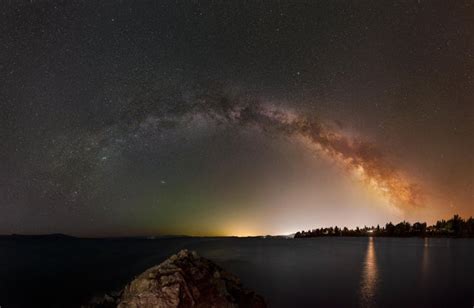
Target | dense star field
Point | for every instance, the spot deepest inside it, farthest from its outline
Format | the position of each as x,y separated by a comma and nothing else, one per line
233,118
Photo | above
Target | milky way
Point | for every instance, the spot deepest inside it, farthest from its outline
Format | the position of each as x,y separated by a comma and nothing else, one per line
128,117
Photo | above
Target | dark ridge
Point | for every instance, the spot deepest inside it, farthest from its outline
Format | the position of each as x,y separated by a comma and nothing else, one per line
54,236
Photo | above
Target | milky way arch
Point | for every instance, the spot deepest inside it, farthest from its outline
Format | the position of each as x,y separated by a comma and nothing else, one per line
83,154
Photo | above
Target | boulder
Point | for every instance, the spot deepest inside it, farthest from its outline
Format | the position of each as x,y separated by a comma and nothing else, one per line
183,280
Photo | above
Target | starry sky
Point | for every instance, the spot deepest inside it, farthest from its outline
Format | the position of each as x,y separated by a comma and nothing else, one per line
124,118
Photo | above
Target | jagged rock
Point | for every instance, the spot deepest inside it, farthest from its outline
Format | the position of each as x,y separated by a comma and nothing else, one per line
183,280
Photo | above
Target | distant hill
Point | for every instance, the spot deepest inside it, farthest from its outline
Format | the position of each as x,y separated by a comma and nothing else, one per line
54,236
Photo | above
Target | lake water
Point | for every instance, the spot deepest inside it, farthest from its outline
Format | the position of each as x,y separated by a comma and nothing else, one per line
318,272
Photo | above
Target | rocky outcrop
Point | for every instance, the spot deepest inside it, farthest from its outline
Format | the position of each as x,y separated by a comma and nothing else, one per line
183,280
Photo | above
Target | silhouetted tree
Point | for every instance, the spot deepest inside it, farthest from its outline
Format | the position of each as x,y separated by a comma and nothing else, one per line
455,226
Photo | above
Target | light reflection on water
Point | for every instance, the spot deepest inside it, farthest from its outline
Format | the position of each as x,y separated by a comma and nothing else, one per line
425,261
370,277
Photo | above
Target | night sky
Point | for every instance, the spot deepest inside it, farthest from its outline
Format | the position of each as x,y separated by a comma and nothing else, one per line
233,118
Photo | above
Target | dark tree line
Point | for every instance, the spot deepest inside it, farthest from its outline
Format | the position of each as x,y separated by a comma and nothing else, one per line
454,227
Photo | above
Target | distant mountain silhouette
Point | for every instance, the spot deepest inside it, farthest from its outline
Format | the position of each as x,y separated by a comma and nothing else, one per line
53,236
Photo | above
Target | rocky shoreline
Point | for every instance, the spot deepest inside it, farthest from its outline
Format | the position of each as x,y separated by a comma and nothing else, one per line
183,280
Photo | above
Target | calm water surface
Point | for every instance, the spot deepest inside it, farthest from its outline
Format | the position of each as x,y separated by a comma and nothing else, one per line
319,272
